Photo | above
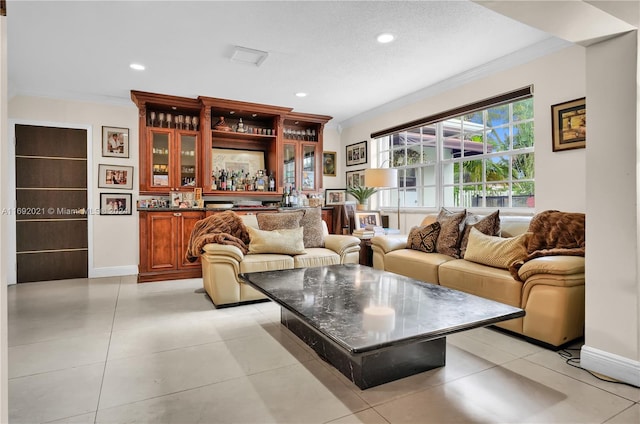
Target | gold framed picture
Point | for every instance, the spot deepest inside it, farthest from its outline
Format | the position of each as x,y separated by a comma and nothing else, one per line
569,125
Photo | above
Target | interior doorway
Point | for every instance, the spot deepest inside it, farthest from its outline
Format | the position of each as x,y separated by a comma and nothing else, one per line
51,200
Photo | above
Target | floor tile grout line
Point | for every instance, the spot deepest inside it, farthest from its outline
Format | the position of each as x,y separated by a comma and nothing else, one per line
106,359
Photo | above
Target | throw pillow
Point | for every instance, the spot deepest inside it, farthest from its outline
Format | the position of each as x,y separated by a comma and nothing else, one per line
286,242
489,225
451,226
424,238
497,252
312,222
279,221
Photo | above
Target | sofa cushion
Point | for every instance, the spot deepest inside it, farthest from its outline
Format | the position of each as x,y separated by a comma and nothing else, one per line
279,221
494,251
451,226
424,238
415,264
265,262
311,221
316,256
484,281
489,225
288,242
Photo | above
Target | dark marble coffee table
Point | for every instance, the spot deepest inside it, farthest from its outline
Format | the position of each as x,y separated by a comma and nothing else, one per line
374,326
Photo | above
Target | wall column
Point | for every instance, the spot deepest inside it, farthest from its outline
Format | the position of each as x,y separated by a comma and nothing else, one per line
612,337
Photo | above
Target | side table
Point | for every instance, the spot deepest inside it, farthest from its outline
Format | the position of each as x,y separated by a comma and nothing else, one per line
366,253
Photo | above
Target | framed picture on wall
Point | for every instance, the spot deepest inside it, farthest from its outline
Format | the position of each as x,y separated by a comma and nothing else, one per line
329,164
115,203
115,142
357,153
115,176
569,123
355,178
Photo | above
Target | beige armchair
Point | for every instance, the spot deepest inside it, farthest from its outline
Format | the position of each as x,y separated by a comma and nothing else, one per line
221,264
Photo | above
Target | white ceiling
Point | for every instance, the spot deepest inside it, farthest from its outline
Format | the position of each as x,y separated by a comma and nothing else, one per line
82,49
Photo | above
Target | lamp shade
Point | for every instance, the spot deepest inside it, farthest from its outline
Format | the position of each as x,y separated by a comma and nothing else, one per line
381,177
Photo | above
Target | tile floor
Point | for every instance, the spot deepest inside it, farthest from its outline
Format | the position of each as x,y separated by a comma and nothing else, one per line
112,351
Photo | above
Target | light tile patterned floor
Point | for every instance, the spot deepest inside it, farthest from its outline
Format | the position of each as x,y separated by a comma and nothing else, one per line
109,350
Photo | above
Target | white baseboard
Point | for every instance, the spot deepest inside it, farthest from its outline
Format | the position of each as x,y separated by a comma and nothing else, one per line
113,271
609,364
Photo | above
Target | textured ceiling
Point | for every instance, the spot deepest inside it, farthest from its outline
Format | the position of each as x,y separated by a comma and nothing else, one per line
82,49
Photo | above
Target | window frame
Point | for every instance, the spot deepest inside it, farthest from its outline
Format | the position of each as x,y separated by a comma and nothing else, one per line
446,192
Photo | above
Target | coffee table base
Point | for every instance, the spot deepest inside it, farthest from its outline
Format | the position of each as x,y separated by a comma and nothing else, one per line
371,368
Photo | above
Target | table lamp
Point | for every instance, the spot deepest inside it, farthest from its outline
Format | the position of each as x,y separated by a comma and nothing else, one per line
382,178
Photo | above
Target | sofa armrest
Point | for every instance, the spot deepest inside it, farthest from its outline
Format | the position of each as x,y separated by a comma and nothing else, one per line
555,265
214,249
341,244
389,243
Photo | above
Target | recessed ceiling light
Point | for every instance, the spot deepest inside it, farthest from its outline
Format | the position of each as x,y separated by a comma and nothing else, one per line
385,38
137,67
301,94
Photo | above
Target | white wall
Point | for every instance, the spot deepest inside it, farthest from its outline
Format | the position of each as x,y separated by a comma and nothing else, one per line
4,195
557,77
114,239
613,287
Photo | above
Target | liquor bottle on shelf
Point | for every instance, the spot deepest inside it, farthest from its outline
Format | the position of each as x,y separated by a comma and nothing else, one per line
272,182
260,181
294,197
223,180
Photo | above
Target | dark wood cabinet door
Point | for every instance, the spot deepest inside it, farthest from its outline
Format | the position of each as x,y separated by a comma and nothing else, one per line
161,241
186,222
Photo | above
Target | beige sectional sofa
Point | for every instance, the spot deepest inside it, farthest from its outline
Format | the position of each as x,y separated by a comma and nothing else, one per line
551,291
221,264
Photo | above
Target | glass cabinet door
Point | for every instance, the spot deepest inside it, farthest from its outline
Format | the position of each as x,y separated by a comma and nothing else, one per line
160,159
308,167
289,175
188,160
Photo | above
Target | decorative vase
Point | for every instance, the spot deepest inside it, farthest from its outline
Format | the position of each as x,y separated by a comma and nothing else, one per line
362,206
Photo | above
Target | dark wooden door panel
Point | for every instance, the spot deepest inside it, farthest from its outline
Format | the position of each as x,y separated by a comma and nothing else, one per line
45,266
53,235
51,142
48,204
51,195
51,173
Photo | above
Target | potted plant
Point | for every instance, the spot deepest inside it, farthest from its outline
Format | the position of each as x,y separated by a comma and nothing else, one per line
362,195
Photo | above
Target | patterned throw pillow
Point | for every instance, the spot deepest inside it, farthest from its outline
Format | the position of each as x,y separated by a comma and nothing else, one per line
312,222
497,252
489,225
424,238
279,221
451,226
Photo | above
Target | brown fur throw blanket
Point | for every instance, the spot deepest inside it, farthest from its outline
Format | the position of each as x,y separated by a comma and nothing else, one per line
222,228
554,233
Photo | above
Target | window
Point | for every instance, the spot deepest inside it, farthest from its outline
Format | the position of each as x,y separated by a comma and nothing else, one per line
482,157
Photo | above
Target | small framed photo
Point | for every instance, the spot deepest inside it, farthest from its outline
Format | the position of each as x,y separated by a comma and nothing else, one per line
115,203
357,153
335,196
355,178
367,219
115,142
329,164
569,125
177,199
115,176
